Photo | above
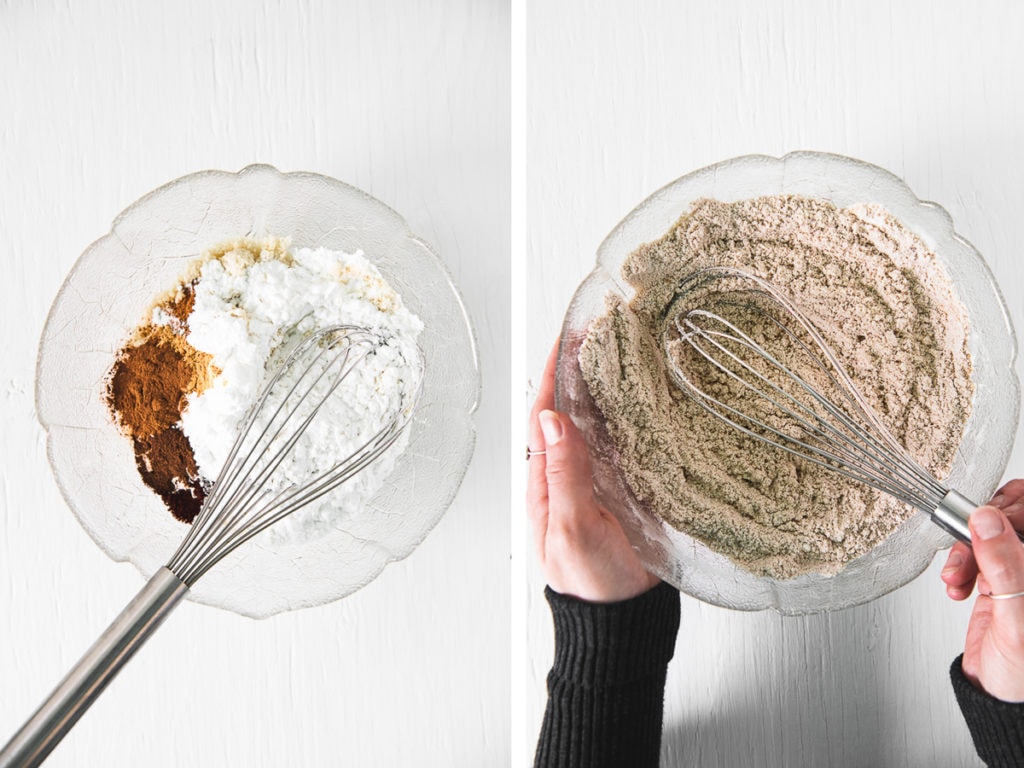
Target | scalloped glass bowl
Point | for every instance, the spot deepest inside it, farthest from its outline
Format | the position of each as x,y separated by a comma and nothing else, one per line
105,297
979,462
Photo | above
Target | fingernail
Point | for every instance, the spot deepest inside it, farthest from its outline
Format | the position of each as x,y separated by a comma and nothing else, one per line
953,563
986,522
998,500
551,426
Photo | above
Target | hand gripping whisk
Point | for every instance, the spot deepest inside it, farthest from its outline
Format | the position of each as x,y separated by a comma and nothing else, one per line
807,405
246,499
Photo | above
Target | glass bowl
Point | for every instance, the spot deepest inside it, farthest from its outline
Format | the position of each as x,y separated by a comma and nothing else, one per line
147,250
980,459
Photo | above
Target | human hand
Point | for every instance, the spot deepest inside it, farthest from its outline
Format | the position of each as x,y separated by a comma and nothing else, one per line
994,649
582,548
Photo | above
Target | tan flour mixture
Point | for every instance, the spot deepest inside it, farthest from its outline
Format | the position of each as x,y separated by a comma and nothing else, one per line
880,299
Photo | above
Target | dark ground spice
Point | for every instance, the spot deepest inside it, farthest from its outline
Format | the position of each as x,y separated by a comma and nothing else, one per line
148,389
167,466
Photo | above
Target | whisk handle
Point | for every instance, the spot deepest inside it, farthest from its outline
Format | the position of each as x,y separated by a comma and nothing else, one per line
84,683
952,513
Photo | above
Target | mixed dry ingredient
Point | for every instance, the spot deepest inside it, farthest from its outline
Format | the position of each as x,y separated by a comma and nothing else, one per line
182,384
884,304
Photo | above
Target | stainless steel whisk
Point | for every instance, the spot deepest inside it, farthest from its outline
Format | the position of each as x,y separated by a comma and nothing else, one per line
782,404
242,503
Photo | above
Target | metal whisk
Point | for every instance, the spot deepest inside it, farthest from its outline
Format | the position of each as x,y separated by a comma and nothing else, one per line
808,405
244,501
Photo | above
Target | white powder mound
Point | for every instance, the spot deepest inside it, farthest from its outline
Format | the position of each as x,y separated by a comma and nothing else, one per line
249,304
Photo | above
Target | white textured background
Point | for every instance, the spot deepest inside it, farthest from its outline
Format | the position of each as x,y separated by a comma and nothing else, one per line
100,102
624,97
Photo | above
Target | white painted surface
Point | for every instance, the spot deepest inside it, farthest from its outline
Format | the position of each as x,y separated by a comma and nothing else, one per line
102,102
624,97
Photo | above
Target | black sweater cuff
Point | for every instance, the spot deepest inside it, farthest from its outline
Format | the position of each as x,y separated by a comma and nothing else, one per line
607,685
610,644
997,727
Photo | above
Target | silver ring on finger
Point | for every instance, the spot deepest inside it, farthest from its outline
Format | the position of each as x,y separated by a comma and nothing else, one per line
1007,595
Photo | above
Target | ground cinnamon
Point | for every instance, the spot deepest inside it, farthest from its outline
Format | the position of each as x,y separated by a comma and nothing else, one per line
149,384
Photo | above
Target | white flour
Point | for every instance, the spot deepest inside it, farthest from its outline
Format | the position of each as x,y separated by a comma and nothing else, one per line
250,300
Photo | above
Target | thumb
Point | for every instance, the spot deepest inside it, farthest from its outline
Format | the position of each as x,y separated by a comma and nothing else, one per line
1000,556
567,464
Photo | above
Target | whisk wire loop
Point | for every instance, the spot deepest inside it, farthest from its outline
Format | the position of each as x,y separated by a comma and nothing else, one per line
235,490
187,551
866,458
844,434
277,507
242,490
838,462
241,503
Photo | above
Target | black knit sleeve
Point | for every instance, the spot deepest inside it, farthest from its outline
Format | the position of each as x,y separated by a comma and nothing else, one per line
996,726
606,689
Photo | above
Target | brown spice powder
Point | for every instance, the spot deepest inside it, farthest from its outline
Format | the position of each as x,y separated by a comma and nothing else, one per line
156,371
167,466
148,389
885,305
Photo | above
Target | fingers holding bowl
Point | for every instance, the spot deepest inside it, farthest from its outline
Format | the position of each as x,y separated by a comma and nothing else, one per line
536,455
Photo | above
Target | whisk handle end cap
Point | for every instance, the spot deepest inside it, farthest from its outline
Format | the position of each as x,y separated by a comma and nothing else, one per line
84,683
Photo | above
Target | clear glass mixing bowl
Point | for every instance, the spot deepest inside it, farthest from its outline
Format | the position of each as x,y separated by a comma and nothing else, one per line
105,297
979,462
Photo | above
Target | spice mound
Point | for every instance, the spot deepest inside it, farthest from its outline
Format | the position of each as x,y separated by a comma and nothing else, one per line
182,384
884,304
